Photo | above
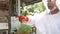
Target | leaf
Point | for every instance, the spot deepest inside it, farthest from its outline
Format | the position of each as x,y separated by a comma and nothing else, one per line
25,28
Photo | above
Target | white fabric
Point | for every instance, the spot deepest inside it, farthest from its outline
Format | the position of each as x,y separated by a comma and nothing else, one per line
14,23
58,3
47,24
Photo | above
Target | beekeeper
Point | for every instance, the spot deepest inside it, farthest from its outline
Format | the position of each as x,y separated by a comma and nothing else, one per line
48,22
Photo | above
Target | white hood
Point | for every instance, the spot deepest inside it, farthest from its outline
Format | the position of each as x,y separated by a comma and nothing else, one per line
58,3
45,3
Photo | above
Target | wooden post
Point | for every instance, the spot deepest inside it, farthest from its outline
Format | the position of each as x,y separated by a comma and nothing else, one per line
9,18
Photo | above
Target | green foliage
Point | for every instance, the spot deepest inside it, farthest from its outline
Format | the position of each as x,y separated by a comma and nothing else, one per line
25,28
25,12
31,9
39,6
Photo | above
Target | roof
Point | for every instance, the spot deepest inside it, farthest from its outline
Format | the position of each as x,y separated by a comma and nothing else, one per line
28,2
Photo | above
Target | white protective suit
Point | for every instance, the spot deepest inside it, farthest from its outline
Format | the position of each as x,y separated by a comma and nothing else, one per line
47,23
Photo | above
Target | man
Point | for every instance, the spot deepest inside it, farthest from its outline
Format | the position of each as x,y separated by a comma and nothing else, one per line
48,23
52,6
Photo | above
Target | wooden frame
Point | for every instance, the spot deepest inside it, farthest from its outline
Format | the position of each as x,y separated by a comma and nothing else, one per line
4,5
14,11
6,13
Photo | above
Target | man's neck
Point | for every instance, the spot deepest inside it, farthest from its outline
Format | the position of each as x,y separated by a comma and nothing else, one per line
55,10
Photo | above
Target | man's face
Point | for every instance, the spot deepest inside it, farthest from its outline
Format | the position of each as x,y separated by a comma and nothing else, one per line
51,4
